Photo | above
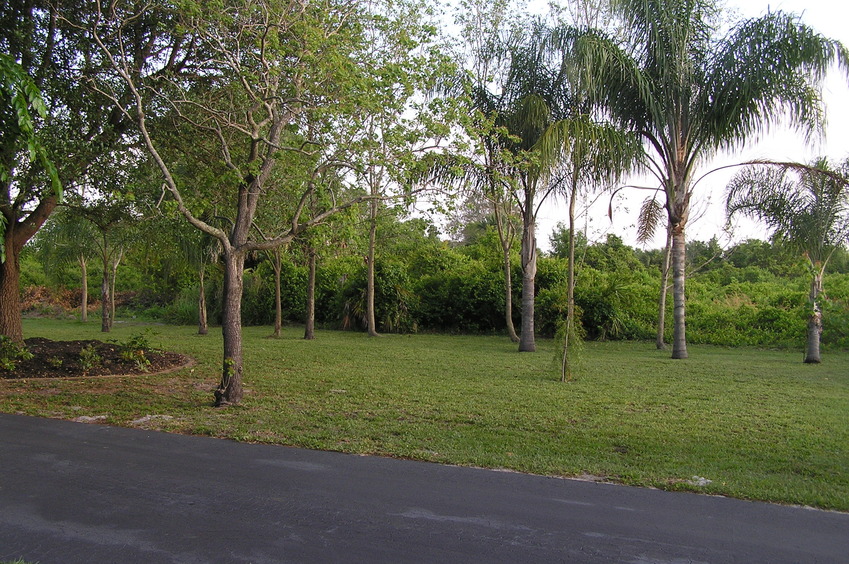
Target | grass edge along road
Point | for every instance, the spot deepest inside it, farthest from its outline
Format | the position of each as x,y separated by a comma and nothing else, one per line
747,423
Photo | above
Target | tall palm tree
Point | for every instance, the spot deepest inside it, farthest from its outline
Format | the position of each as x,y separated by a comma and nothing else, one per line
690,92
514,100
807,208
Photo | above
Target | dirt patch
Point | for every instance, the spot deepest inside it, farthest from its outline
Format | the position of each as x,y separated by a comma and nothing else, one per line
66,359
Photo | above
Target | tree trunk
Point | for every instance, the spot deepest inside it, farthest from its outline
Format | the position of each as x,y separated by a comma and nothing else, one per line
660,341
812,350
566,367
505,237
84,287
278,299
112,279
679,257
309,330
15,237
508,297
372,236
203,323
10,297
230,389
105,321
529,272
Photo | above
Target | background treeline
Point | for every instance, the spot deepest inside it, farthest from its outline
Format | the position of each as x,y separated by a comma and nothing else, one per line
753,293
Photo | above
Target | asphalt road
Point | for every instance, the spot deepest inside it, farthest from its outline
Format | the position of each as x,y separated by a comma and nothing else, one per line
74,492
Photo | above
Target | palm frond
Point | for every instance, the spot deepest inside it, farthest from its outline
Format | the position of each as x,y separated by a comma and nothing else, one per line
805,207
651,215
769,69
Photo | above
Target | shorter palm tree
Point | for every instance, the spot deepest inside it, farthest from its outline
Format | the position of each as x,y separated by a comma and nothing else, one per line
807,208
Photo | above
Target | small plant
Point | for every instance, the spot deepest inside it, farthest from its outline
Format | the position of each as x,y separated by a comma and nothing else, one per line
135,350
11,353
137,357
54,361
89,358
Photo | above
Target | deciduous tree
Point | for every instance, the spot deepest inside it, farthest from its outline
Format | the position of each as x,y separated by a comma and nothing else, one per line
260,71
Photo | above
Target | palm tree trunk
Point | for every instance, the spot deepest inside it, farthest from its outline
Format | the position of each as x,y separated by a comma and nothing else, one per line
660,341
309,330
84,288
529,270
812,350
230,389
679,258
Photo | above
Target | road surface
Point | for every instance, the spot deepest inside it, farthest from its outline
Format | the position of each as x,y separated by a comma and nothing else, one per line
82,493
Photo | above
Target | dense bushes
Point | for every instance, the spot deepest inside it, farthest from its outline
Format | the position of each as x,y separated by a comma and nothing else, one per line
754,294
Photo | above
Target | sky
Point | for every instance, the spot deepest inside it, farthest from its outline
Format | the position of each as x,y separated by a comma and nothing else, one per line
828,17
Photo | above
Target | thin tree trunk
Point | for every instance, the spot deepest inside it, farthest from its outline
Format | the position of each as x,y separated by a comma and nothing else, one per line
309,330
84,287
230,389
112,280
508,297
529,270
566,368
203,323
679,257
812,350
506,242
278,299
10,298
372,237
660,341
105,322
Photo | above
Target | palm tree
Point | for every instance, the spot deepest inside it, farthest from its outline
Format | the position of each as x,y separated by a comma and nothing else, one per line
558,145
539,137
690,93
592,155
807,208
509,108
68,238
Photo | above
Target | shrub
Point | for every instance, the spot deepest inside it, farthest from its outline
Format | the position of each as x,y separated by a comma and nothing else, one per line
135,349
394,300
89,358
11,353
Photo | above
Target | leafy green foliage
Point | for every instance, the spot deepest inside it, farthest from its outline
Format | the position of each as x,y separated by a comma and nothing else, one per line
134,350
89,357
11,353
19,91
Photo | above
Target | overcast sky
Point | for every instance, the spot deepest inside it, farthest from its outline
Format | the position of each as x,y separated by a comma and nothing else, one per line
829,17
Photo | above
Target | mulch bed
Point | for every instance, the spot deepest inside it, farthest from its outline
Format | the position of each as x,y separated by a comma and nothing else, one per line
61,359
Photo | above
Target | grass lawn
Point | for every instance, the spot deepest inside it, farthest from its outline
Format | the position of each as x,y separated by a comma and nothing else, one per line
757,424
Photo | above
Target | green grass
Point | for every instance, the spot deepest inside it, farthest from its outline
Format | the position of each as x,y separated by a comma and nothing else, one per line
759,424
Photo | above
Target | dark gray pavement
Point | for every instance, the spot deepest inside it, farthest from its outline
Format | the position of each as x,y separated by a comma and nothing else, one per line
74,492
